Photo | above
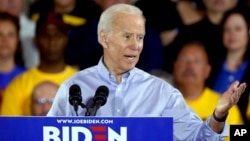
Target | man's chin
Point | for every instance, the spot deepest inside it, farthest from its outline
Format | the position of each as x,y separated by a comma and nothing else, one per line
129,67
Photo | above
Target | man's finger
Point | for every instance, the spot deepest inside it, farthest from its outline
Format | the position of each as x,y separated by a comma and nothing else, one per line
233,87
242,88
238,91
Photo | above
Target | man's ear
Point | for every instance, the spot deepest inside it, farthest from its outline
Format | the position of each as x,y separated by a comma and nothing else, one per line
104,39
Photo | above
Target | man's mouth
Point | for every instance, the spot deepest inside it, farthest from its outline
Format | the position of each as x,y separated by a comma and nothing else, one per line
130,57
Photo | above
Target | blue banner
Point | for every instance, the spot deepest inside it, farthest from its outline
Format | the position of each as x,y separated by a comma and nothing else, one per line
86,128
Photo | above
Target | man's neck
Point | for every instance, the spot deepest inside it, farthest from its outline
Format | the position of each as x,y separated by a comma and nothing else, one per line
116,72
191,92
56,67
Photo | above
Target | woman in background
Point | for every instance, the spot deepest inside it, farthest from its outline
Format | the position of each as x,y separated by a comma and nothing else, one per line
236,64
11,62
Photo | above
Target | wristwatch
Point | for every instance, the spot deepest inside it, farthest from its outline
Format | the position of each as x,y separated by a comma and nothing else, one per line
223,119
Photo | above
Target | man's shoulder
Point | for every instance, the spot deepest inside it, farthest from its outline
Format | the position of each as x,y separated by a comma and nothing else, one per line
90,71
145,76
28,73
140,72
24,78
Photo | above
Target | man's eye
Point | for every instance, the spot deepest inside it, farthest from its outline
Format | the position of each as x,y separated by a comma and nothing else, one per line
140,37
127,36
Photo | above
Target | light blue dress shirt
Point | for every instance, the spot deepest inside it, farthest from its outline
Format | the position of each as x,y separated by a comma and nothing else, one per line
139,94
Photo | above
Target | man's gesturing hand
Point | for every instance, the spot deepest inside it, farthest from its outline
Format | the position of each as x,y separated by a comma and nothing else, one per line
229,98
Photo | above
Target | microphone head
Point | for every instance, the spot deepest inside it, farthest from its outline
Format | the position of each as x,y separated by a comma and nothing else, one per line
75,96
101,95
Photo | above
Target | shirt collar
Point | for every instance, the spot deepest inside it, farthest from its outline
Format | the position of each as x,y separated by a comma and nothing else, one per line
108,76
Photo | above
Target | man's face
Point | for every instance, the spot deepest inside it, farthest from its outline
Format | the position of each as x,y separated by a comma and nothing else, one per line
235,33
122,47
51,43
219,5
42,99
191,66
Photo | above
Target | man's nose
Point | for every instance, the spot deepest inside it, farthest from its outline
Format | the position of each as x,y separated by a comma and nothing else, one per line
190,63
135,44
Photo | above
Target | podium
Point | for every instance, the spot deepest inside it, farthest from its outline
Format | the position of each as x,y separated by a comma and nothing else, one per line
86,128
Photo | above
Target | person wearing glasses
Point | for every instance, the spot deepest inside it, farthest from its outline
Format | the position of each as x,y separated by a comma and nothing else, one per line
42,97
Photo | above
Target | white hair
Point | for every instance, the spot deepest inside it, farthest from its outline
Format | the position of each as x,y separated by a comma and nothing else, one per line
106,18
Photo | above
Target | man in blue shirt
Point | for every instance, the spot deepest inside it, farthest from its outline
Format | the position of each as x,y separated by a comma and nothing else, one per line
133,92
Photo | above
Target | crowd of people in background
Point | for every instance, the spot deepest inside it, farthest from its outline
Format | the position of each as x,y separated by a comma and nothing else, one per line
190,71
200,47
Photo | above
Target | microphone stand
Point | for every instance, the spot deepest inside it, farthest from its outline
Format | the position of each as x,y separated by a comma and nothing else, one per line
75,105
96,107
87,113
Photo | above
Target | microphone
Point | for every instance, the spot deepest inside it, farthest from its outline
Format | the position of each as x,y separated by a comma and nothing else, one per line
75,97
100,97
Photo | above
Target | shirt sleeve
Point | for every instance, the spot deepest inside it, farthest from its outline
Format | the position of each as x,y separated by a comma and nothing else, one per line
186,123
13,99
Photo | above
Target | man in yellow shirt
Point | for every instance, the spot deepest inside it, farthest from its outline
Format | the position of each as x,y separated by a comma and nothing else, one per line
191,69
51,40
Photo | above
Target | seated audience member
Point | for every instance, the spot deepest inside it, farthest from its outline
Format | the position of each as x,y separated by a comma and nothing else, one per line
83,49
42,97
10,50
172,16
134,92
51,39
191,69
27,30
75,12
207,30
236,64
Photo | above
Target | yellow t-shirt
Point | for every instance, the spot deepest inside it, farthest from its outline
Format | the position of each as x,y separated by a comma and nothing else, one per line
248,109
206,103
17,96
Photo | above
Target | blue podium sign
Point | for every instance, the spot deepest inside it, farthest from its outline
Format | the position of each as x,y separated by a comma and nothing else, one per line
86,128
